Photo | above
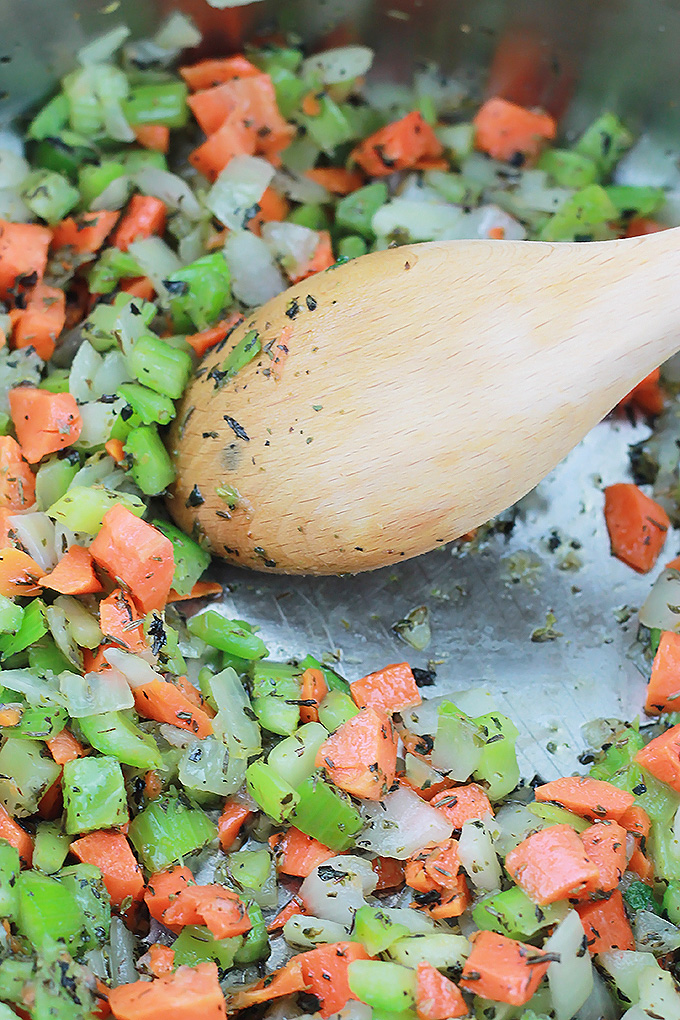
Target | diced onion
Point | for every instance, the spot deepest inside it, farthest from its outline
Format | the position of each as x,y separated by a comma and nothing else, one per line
650,163
37,690
419,221
13,207
112,371
655,933
81,624
222,5
83,370
114,195
339,65
400,824
238,189
291,244
305,932
95,693
135,669
254,276
659,996
170,188
626,967
175,736
337,888
299,188
178,32
157,260
100,50
513,823
13,169
35,531
570,979
115,124
98,419
203,767
661,608
478,857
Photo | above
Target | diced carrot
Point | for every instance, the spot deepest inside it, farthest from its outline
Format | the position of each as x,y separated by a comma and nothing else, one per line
437,998
19,574
161,959
44,422
397,146
590,798
503,129
193,695
42,320
251,100
361,756
199,591
636,821
217,70
234,815
298,854
552,865
606,925
163,888
325,974
74,574
12,833
186,994
101,1009
121,623
290,910
336,178
390,873
641,866
605,846
137,554
115,449
661,756
94,660
389,689
145,215
496,233
502,969
140,287
165,702
285,981
51,804
23,257
311,105
322,258
663,690
313,687
463,804
153,785
233,138
673,564
213,905
637,525
85,233
647,395
452,902
523,70
63,747
209,338
112,854
153,136
9,716
641,225
17,481
271,207
442,864
8,535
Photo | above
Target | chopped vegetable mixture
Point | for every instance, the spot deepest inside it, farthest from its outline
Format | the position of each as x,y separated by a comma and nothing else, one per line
188,828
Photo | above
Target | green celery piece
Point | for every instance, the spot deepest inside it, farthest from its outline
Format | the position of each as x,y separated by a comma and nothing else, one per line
239,356
274,795
93,178
335,709
226,635
568,169
294,757
56,380
44,657
27,770
329,128
256,942
113,734
605,141
310,215
47,910
94,794
84,882
289,90
38,722
498,766
32,627
112,266
168,829
61,987
671,902
276,678
160,103
334,681
151,469
7,1013
11,615
50,119
376,930
49,195
15,973
584,216
324,814
196,945
641,201
50,848
654,639
64,153
271,58
160,366
351,247
454,187
53,479
363,120
152,408
126,421
556,815
619,755
512,913
662,850
355,212
382,985
199,293
277,715
142,159
10,866
250,870
191,560
84,506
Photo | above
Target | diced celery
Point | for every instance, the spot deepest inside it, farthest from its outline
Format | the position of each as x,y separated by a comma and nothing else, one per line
50,848
568,169
352,247
376,930
252,873
273,794
168,829
32,627
61,988
53,479
151,407
84,882
47,910
310,215
64,153
671,902
498,765
335,709
44,657
49,195
459,742
11,615
664,850
583,217
83,507
239,356
158,103
113,734
234,721
362,119
256,942
619,755
160,366
15,973
271,58
605,141
294,757
50,120
151,468
56,380
38,722
382,985
289,89
454,187
94,794
635,201
324,814
111,266
355,212
459,139
142,159
329,128
94,178
27,770
10,866
557,815
280,679
199,293
512,913
226,635
203,767
190,559
441,950
198,945
276,714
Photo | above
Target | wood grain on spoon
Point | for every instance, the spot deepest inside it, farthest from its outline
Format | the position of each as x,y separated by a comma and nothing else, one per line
426,388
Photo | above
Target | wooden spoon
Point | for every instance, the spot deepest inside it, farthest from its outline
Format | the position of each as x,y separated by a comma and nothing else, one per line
418,391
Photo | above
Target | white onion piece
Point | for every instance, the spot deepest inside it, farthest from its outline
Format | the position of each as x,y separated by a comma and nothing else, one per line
178,32
83,370
101,49
112,371
446,93
98,419
458,747
570,980
291,244
238,189
339,65
400,824
337,888
626,967
81,623
659,996
635,1013
654,933
423,718
114,195
599,1005
305,932
135,670
35,531
95,471
13,207
222,5
254,276
157,261
474,701
175,736
299,188
115,124
478,857
480,222
513,823
301,155
420,221
650,163
416,922
203,767
415,189
420,773
95,693
36,690
13,168
170,188
661,608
